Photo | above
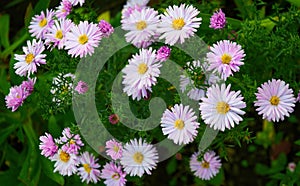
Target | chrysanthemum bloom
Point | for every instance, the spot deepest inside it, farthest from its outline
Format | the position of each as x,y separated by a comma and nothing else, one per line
225,57
218,20
139,157
141,73
207,166
63,9
180,124
163,53
33,57
41,23
113,119
222,108
65,163
132,5
292,166
114,149
15,98
113,175
72,142
56,35
28,86
179,23
76,2
82,87
62,87
82,39
47,145
274,100
89,168
105,28
298,97
142,25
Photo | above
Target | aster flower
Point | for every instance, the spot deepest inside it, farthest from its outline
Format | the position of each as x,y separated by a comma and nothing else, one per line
298,97
76,2
207,166
141,73
82,39
180,124
40,24
33,57
47,145
28,86
222,108
179,23
114,149
113,119
63,9
218,20
274,100
132,5
163,53
292,166
65,163
225,57
142,25
88,171
139,157
82,87
72,142
105,28
15,98
113,175
140,3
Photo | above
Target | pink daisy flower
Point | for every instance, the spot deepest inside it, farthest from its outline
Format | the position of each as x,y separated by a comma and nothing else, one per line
132,5
28,86
163,53
114,149
225,58
81,87
76,2
218,20
82,39
41,23
113,119
15,98
47,145
63,9
33,57
274,100
71,142
179,23
113,175
105,28
65,163
222,108
180,124
88,171
298,97
205,167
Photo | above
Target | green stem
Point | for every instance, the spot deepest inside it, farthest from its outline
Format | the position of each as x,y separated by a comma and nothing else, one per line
12,47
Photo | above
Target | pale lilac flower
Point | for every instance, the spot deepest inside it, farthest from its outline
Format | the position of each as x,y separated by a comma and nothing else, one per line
113,119
28,86
15,98
163,53
76,2
298,97
133,5
274,100
33,57
82,87
63,9
71,142
41,23
140,3
82,39
180,124
113,175
105,28
47,145
139,157
222,108
114,149
205,167
65,163
179,23
141,73
225,58
218,20
89,168
292,166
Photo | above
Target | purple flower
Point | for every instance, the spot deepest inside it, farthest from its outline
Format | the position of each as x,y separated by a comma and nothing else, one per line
298,97
218,20
41,23
114,149
82,87
47,145
28,86
89,171
292,166
113,119
15,98
64,9
163,53
113,175
105,28
72,142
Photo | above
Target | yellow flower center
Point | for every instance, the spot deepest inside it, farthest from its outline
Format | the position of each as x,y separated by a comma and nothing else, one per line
138,157
64,156
274,100
72,141
83,39
141,25
142,68
59,34
87,168
115,176
29,58
43,22
179,124
222,107
177,24
205,164
226,59
116,148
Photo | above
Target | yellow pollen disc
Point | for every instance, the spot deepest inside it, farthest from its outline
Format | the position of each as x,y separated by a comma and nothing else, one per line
177,24
72,141
43,22
29,58
205,164
274,100
64,156
65,90
226,59
222,107
59,34
83,39
138,158
179,124
87,168
115,176
116,148
142,68
141,25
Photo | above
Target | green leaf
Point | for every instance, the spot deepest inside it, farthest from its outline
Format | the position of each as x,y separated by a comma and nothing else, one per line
218,179
4,133
278,176
297,142
41,5
53,127
172,166
48,168
295,2
4,27
28,15
262,169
